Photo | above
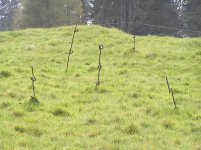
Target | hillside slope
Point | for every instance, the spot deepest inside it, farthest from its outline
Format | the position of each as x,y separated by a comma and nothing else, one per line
131,109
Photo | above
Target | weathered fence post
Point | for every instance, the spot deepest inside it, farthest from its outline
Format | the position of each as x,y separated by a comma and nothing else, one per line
175,106
70,51
33,79
171,92
168,84
99,65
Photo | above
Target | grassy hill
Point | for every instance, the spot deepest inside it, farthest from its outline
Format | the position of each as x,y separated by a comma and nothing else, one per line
131,109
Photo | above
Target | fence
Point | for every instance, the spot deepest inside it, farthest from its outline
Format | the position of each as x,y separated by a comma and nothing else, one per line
135,29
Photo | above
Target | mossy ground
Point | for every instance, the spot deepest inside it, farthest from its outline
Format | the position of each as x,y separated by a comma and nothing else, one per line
131,109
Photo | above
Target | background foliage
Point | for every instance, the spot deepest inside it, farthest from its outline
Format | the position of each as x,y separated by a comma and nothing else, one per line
117,13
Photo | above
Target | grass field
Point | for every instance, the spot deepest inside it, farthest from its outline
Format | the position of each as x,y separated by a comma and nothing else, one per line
131,109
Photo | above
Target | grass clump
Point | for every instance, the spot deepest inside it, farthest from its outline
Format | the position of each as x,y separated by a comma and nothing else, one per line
5,105
61,112
168,124
132,129
5,74
18,113
91,121
20,129
30,131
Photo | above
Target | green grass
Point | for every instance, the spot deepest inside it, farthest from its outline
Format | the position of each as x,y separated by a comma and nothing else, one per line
131,109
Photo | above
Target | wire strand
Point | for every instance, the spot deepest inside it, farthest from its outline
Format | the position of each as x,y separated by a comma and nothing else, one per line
165,27
150,25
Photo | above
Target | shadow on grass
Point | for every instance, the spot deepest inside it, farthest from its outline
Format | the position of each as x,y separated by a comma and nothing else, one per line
34,100
32,104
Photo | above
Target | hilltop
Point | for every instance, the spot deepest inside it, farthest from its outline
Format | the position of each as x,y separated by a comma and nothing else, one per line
131,109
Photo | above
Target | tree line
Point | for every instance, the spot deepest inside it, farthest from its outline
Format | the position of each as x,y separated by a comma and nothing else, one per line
185,14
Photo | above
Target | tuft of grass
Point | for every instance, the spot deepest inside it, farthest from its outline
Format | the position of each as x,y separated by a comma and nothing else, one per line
132,129
18,114
168,124
20,129
134,95
61,112
91,121
5,105
35,132
30,131
5,74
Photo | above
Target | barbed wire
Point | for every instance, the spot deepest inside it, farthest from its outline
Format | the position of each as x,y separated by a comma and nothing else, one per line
140,23
150,25
171,28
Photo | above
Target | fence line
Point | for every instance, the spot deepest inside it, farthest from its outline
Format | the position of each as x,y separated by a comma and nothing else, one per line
150,25
110,23
171,28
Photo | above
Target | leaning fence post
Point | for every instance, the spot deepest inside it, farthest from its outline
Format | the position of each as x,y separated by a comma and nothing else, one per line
168,85
175,106
99,65
70,51
171,92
